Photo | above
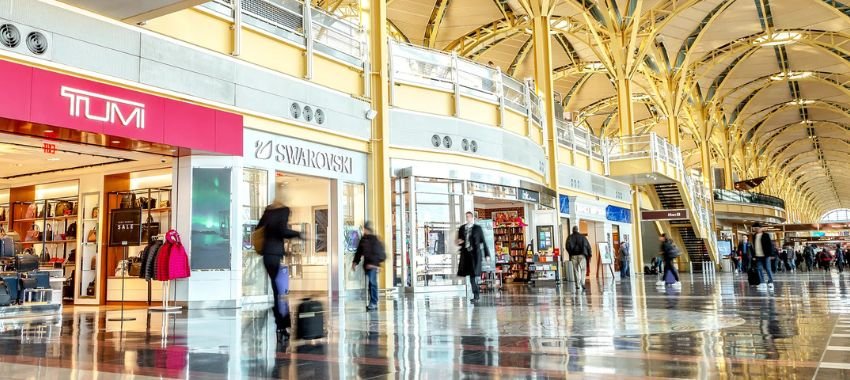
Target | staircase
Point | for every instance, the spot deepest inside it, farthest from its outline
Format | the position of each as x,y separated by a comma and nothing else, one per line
670,197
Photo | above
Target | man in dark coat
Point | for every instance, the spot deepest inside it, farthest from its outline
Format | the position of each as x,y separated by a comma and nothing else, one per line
579,250
470,238
372,251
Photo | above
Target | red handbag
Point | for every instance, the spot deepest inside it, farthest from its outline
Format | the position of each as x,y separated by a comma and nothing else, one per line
34,234
32,211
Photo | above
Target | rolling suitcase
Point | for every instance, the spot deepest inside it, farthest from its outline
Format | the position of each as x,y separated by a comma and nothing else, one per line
753,276
311,320
12,285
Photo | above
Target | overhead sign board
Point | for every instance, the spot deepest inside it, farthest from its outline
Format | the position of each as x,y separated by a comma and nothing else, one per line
676,214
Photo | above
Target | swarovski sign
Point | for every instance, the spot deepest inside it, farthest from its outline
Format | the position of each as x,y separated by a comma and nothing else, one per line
109,109
301,156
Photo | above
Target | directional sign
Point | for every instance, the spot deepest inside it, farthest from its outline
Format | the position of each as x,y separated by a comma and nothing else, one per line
677,214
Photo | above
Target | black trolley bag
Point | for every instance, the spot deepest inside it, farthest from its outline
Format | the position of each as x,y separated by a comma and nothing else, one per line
753,275
310,320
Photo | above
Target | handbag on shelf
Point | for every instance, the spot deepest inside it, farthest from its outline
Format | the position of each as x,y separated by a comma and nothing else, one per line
40,211
90,289
164,204
48,232
147,203
135,266
34,234
45,256
91,237
26,262
2,215
128,201
71,231
95,212
150,229
74,206
62,208
32,211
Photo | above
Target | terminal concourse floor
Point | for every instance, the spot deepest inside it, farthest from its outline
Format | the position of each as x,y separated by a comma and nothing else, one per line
711,328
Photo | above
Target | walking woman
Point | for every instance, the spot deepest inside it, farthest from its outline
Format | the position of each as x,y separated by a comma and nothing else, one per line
275,222
669,252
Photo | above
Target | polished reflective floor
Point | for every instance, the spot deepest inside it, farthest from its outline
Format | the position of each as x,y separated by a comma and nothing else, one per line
714,327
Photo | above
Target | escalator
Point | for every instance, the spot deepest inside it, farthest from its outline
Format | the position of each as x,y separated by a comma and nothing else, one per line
670,197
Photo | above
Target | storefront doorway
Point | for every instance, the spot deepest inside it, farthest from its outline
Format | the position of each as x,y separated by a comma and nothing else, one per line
56,198
308,259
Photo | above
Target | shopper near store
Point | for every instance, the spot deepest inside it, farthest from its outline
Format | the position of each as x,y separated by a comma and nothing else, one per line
470,238
578,247
763,251
625,258
809,255
669,252
839,258
744,248
372,251
275,225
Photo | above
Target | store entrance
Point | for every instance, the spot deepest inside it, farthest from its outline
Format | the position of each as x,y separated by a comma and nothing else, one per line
510,242
309,260
595,232
56,200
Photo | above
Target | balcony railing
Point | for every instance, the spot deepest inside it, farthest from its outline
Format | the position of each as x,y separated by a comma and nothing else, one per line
749,197
647,145
581,140
328,34
445,71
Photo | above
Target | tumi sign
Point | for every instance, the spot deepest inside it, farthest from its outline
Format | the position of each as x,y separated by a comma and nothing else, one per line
44,97
678,214
99,107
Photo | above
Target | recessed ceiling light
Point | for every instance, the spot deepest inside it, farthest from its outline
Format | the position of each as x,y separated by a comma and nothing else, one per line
53,159
48,131
800,102
594,66
778,38
792,75
116,142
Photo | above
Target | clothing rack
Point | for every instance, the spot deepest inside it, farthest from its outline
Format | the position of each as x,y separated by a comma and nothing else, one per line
166,291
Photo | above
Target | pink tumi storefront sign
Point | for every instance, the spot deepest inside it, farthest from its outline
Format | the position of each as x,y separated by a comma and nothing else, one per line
45,97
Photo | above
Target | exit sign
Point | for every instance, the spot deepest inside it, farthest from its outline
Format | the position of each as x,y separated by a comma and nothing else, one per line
48,148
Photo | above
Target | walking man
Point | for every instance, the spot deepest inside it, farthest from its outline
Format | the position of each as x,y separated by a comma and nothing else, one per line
763,251
744,251
372,251
470,238
579,250
624,257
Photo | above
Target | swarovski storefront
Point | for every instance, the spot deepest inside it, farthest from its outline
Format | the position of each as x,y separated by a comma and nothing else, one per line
324,186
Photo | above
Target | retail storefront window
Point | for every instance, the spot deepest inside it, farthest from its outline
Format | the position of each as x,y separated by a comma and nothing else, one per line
439,213
253,200
353,217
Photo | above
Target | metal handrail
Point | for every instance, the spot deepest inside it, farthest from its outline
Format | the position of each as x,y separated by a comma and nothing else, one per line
581,140
434,68
740,196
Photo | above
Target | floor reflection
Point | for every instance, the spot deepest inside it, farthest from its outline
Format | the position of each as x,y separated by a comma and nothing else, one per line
710,328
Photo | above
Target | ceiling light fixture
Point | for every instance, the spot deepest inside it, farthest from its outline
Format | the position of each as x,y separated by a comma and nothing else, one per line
594,66
639,97
791,75
116,142
53,159
800,102
48,131
778,38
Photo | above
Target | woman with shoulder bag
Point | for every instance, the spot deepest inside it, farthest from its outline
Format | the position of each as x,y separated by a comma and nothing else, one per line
669,252
275,225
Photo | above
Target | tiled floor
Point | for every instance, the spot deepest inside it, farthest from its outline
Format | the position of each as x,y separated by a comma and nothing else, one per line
712,328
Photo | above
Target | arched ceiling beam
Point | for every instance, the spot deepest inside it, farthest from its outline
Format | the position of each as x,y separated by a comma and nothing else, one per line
396,32
506,10
520,56
433,26
780,107
769,137
767,80
747,101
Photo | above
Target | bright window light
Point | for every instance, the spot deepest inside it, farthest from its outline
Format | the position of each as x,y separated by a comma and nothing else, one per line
778,38
792,75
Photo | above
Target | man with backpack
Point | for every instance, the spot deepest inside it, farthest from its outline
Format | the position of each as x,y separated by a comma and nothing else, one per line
579,250
372,251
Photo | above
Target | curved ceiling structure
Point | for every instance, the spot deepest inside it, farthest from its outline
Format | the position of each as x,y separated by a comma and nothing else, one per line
766,82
